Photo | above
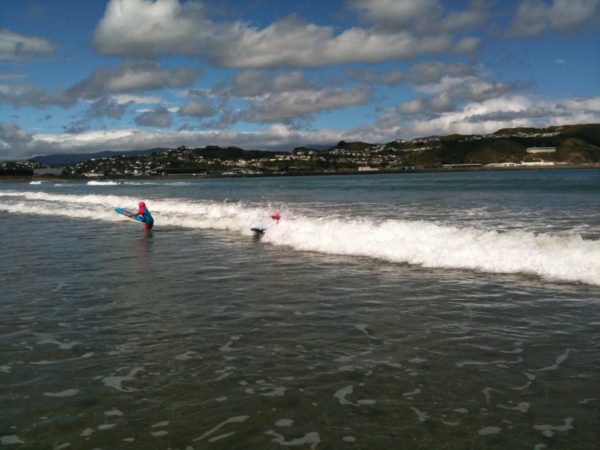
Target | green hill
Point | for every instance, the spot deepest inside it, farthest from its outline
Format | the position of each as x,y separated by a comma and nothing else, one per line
576,144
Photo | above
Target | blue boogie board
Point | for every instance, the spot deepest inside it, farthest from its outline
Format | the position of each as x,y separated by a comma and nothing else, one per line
126,212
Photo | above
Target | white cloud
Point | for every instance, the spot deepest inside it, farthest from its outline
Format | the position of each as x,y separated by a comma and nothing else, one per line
474,118
276,137
290,105
390,78
430,72
414,14
123,99
420,15
159,117
447,86
288,97
517,111
12,139
17,47
534,17
132,76
144,28
199,106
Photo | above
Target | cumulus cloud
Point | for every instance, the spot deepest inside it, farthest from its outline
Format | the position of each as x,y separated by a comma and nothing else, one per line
159,117
198,106
534,17
288,97
107,107
290,105
388,78
13,139
515,111
132,76
17,92
276,137
17,47
255,83
420,15
473,118
429,72
399,13
149,29
448,86
121,84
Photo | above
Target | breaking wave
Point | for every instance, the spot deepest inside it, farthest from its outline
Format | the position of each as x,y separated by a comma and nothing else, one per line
561,257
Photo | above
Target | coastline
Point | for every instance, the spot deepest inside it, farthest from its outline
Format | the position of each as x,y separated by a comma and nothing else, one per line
29,178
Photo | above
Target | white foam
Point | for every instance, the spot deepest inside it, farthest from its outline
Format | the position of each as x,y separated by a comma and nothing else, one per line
65,393
342,393
548,430
11,440
278,391
489,430
284,423
161,424
561,257
61,345
485,363
116,382
559,360
521,407
102,183
159,433
412,393
185,356
422,416
313,439
236,419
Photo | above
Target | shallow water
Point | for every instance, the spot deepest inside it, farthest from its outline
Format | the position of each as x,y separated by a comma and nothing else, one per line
324,334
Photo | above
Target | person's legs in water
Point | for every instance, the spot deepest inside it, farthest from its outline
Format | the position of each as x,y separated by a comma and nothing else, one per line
148,226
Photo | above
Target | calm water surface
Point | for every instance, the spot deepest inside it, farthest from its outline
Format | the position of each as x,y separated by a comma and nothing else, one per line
421,311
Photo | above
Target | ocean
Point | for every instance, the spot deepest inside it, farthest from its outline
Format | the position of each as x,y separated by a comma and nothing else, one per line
396,311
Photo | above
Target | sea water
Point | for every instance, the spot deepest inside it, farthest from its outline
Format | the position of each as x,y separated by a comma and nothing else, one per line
446,310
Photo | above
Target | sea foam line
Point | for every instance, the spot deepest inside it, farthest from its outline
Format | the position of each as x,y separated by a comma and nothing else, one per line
560,257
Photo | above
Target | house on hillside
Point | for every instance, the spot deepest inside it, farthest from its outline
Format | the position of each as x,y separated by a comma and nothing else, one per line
52,171
541,150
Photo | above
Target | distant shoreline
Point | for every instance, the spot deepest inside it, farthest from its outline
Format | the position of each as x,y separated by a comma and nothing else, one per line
28,178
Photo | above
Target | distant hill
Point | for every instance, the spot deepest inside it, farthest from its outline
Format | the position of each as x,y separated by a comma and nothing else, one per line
64,159
575,144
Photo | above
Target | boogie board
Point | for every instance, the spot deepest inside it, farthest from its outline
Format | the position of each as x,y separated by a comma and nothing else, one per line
258,230
128,213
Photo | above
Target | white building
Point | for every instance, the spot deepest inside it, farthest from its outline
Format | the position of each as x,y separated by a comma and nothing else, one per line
541,150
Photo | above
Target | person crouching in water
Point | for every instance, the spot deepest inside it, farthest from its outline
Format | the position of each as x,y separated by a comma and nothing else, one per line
146,217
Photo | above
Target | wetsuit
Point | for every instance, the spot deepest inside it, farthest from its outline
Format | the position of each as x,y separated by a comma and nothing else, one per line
146,217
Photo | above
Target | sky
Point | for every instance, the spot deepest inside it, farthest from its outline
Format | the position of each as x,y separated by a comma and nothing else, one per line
86,76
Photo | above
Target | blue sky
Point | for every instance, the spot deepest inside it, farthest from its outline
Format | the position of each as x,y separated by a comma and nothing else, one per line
85,76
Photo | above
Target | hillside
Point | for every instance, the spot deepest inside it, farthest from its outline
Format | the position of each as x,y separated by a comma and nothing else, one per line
63,159
575,144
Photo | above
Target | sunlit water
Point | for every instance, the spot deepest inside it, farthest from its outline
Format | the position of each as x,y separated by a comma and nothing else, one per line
383,312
